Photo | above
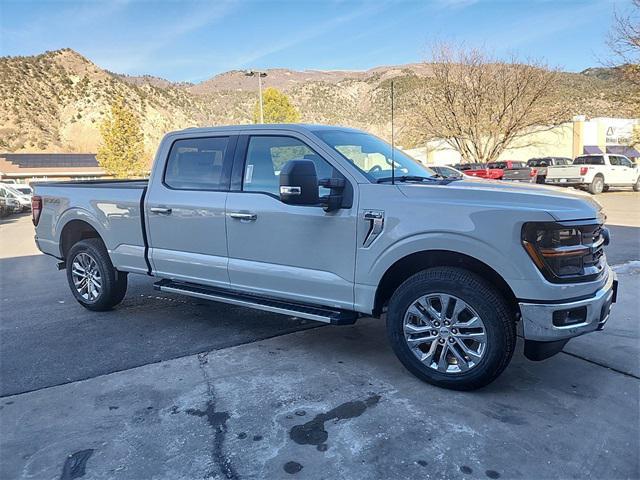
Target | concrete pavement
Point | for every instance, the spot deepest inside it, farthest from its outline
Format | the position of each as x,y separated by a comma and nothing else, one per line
331,403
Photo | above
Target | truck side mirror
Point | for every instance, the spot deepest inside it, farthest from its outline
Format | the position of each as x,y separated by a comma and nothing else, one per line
299,183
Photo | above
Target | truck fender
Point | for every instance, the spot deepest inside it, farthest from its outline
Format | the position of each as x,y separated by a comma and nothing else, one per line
447,241
76,213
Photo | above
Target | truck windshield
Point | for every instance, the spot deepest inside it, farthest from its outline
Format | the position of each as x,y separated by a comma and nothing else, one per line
372,156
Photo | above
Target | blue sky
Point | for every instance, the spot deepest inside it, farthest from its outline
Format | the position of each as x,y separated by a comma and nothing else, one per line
193,40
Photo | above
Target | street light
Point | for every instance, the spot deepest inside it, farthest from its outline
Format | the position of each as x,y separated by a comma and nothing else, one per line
260,75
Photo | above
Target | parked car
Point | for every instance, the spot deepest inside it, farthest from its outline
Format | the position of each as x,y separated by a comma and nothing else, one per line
479,170
539,166
458,266
4,208
25,190
11,204
596,173
19,202
446,171
512,170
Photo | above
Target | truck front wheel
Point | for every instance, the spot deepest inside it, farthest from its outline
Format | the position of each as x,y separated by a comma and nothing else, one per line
451,328
93,280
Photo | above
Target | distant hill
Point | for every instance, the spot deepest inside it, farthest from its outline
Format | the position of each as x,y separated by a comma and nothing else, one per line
55,101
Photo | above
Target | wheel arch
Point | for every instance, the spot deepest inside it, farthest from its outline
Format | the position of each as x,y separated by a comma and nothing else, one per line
415,262
74,231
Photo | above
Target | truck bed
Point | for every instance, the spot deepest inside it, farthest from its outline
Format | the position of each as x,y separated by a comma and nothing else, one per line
113,208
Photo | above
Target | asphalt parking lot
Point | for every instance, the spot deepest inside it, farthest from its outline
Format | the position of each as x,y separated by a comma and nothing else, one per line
172,387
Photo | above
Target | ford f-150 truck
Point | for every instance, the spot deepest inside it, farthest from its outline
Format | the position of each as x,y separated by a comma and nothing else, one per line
596,173
330,224
539,166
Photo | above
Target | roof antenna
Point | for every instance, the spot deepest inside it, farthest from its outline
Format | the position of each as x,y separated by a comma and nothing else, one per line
393,146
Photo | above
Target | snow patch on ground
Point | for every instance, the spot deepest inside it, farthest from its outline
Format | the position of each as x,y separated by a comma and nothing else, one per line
629,267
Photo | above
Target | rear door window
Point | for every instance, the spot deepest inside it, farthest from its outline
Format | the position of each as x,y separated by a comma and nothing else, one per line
589,160
198,164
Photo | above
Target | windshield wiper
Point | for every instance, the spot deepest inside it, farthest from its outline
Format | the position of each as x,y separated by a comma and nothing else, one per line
409,178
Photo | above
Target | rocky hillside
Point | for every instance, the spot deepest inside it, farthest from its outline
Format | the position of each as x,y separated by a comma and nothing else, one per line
55,101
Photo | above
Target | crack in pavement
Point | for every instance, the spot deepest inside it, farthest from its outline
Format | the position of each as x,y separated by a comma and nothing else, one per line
217,421
593,362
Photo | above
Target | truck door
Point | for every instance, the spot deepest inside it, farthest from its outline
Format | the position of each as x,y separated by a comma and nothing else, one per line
629,172
185,209
299,253
616,175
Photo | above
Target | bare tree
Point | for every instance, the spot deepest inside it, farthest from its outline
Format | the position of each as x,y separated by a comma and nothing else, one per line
624,42
480,106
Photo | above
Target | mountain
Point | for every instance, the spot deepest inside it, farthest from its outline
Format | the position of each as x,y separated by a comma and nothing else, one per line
56,101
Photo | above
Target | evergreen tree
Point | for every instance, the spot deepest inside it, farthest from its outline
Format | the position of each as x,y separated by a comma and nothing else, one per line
121,153
277,108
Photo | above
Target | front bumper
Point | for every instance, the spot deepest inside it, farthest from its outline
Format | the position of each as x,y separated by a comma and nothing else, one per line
540,325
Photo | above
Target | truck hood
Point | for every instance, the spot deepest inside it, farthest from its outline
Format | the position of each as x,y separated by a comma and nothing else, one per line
561,203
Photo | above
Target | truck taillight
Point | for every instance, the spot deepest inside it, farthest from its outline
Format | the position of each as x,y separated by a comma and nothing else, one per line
36,208
534,172
583,171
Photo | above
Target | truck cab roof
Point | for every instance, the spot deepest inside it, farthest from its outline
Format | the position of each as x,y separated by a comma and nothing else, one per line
297,127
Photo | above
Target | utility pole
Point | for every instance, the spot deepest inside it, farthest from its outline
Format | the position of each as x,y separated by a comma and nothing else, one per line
260,75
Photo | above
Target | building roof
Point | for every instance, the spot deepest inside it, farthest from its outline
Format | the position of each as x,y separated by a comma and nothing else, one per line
24,165
51,160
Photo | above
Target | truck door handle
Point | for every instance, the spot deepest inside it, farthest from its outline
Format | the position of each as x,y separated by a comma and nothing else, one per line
248,216
161,210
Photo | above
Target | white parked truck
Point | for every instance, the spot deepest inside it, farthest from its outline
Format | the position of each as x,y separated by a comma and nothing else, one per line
596,173
312,221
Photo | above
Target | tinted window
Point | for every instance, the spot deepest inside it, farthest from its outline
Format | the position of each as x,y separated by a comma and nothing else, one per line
614,160
589,160
267,155
197,164
625,162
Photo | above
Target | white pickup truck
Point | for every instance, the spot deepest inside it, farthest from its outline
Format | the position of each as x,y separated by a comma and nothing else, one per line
312,221
596,173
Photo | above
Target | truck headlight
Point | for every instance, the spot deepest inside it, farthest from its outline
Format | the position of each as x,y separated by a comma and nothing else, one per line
566,251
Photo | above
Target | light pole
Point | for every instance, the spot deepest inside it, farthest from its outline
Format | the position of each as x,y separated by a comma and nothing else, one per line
260,75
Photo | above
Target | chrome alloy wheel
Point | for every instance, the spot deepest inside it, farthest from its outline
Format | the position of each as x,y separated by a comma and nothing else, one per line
86,276
445,333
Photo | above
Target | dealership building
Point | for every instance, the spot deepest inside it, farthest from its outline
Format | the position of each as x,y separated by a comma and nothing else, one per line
31,167
578,137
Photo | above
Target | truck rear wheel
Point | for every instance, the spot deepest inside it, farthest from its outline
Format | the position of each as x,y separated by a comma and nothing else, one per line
636,186
93,280
597,185
451,328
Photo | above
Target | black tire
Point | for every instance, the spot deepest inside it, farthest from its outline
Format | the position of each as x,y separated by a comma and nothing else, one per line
597,185
499,325
636,186
113,282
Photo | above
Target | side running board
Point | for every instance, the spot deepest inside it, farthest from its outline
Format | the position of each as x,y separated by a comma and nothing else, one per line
309,312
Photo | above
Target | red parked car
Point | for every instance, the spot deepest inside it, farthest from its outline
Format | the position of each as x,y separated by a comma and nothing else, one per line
513,170
480,170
